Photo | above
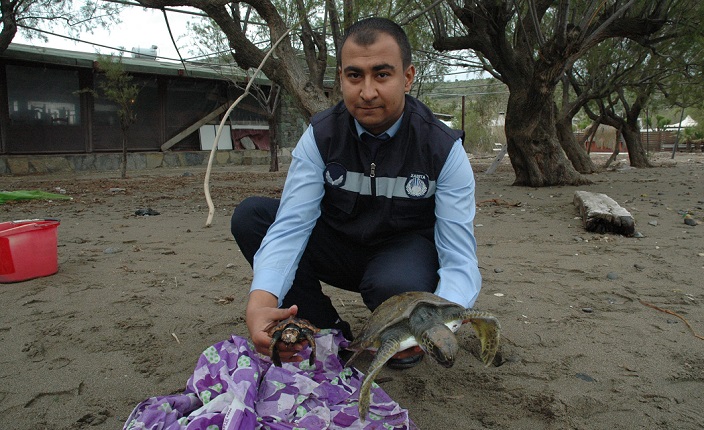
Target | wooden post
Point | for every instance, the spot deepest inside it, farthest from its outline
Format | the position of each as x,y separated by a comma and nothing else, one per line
497,160
195,126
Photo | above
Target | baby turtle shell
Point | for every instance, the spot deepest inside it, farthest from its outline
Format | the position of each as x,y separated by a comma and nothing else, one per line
291,331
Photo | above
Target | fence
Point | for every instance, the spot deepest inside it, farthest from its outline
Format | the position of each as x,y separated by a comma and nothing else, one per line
653,141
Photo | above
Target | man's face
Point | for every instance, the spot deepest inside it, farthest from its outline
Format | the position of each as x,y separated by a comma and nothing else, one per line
374,82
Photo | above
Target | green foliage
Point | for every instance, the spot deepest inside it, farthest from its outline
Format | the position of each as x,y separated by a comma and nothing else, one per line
480,136
695,133
484,108
662,121
484,103
72,17
583,123
118,88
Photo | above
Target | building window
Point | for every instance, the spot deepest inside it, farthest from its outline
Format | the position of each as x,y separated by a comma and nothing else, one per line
43,96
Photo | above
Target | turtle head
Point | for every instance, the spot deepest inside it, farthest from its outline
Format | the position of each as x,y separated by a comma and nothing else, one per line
290,334
440,343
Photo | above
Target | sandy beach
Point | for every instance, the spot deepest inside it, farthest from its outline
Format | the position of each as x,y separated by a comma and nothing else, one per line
138,298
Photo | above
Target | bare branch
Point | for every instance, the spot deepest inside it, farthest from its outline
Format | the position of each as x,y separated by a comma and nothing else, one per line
206,184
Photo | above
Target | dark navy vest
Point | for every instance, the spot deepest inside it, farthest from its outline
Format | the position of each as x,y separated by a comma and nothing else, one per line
369,198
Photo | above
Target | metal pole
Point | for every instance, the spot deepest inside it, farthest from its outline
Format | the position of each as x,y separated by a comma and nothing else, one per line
647,130
677,139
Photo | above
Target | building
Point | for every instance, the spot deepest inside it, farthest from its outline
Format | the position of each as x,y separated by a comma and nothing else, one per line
48,107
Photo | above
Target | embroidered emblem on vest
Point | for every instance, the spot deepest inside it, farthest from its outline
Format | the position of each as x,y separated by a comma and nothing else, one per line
417,185
335,175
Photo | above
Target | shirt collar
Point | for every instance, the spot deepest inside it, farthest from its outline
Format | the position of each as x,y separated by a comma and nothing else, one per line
391,131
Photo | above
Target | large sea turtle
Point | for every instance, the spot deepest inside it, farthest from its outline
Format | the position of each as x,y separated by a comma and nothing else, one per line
424,319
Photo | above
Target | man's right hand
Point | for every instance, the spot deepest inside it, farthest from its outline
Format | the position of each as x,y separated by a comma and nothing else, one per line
262,312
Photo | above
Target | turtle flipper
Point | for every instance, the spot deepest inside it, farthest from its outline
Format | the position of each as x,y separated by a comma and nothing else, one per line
488,330
383,354
273,351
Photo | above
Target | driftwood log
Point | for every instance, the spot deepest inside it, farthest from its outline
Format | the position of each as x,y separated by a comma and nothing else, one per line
601,214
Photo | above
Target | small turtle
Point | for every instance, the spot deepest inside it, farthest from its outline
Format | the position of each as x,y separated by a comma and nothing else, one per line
289,331
424,319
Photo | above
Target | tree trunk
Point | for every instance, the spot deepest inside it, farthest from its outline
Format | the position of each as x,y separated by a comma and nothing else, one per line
273,142
575,152
9,24
536,155
631,135
123,164
616,151
636,151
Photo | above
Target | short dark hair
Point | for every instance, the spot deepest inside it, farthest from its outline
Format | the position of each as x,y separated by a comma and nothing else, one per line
365,32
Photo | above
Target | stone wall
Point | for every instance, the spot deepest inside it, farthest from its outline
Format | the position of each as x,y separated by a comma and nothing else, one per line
38,164
292,124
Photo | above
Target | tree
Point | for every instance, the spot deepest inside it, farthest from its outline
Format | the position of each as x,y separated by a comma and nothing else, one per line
603,71
529,45
210,44
118,88
303,80
670,64
304,64
36,15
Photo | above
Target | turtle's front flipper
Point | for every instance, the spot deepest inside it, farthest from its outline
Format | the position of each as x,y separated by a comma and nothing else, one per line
273,351
383,354
310,337
488,330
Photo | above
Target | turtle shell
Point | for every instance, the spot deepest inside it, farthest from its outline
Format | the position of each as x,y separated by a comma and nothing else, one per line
394,310
298,329
298,322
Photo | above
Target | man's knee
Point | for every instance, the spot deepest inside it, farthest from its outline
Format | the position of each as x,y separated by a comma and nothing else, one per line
250,221
240,216
251,215
390,283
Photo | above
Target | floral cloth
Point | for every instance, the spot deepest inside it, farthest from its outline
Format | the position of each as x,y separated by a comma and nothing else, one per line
234,387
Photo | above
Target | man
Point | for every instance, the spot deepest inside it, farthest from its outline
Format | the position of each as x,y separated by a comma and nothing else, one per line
379,199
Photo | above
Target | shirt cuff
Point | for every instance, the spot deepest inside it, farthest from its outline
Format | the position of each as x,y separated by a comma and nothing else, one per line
270,281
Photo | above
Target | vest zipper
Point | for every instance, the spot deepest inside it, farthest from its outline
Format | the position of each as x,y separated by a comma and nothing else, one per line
372,178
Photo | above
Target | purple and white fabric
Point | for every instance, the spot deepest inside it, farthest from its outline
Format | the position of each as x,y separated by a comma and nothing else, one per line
235,388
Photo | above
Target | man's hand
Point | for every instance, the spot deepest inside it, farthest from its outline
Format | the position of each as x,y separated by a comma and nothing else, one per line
262,312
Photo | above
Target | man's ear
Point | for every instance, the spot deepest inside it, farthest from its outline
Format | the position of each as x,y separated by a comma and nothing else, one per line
409,74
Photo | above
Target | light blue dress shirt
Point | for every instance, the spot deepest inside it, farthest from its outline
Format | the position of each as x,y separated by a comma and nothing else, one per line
277,259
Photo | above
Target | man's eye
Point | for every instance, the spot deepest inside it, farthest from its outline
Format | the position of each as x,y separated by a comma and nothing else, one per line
353,75
382,75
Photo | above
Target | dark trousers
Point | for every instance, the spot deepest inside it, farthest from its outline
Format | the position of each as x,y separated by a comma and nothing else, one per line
406,262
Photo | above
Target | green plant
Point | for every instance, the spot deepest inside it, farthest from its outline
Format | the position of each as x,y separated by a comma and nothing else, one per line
118,88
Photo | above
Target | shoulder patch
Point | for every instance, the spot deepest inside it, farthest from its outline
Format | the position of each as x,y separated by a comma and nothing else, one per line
417,185
335,175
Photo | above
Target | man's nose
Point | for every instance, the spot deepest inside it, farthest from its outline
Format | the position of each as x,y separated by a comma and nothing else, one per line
368,90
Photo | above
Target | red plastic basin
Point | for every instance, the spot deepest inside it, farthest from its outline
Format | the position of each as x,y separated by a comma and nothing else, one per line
28,249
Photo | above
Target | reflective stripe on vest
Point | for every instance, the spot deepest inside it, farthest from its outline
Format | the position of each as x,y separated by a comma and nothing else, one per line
385,187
